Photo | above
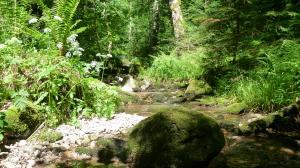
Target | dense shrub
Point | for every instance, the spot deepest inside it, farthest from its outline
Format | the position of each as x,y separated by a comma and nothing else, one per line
45,86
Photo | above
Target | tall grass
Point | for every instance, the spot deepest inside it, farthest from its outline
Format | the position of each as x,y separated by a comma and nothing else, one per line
275,83
168,68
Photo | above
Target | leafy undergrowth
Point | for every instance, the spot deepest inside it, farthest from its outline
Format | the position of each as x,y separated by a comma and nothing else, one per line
43,86
272,84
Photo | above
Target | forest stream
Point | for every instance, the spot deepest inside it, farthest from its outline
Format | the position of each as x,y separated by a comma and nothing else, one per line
149,84
269,149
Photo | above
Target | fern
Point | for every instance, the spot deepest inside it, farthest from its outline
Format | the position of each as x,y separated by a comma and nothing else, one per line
7,17
65,9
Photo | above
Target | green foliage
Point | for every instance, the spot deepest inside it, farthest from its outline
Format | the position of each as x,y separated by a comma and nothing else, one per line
276,82
42,85
107,28
176,68
253,48
261,94
87,151
50,87
123,28
100,99
63,24
14,124
12,19
3,124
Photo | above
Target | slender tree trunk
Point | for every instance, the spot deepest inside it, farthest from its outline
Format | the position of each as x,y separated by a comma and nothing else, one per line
130,26
110,43
154,25
237,33
177,17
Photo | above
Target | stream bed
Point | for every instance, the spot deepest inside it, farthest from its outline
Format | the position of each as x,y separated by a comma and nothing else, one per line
80,147
261,150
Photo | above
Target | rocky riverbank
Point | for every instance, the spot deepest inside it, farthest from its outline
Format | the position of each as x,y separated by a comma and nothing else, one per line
35,153
98,141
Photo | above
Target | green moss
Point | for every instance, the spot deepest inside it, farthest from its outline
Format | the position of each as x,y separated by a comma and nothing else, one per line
236,108
176,137
197,88
49,136
109,148
104,142
87,151
210,101
14,124
128,98
244,129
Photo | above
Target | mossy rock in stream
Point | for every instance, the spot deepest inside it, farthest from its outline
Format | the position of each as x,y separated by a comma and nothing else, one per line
236,108
213,101
129,98
176,138
109,148
282,120
49,135
197,88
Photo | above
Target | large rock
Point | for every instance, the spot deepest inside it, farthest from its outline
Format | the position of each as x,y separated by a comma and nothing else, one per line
130,85
197,88
175,139
287,119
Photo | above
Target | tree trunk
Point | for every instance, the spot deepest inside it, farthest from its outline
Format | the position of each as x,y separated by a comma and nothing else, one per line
154,25
130,26
177,17
237,33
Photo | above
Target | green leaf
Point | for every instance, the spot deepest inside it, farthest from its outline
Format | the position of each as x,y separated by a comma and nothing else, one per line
41,98
1,124
79,30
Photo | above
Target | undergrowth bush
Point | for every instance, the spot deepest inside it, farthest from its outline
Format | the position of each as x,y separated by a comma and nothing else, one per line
2,125
45,86
168,68
100,99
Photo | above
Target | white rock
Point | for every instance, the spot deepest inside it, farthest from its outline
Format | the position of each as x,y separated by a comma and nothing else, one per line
37,153
93,144
129,85
31,163
22,143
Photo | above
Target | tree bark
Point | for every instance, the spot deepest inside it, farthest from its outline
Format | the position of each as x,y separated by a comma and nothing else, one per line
154,25
177,17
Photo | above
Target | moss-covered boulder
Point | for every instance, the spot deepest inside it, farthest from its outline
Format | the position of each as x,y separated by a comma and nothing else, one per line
285,119
176,138
14,125
196,88
236,108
